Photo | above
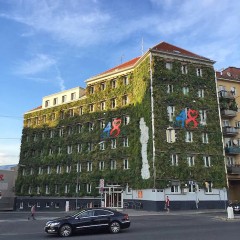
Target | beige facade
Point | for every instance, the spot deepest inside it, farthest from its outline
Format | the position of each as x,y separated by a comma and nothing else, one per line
228,82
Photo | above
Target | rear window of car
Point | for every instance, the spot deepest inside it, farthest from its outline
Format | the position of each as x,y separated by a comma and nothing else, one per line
86,214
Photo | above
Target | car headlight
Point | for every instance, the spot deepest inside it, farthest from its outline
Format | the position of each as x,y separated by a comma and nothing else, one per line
52,224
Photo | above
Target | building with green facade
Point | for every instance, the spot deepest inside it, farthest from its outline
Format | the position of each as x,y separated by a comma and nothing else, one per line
146,129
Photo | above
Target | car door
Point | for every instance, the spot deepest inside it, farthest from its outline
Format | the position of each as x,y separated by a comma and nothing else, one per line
102,218
84,220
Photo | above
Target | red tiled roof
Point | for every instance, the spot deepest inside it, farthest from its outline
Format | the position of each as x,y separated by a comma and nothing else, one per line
122,66
229,73
37,108
166,47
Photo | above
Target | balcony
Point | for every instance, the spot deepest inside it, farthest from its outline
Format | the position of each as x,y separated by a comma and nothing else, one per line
232,150
230,131
233,169
228,113
226,94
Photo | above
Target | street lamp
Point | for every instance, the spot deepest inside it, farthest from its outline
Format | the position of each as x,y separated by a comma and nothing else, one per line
77,188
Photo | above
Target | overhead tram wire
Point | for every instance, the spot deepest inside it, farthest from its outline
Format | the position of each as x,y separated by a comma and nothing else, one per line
14,117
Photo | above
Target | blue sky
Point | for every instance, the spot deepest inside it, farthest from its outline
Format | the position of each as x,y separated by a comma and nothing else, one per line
51,45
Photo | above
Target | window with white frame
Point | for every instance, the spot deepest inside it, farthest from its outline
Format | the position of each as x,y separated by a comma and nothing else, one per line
31,171
191,161
69,149
113,143
29,190
79,167
47,103
175,188
124,100
38,190
61,132
44,118
47,205
126,120
78,188
125,164
90,126
59,150
102,86
36,120
230,161
80,128
55,101
169,88
208,186
192,187
81,111
71,112
102,145
225,123
185,90
168,65
51,134
79,148
28,122
49,170
125,80
125,142
53,116
91,89
35,137
21,205
113,164
199,72
64,98
69,130
184,69
73,96
47,190
189,137
90,147
59,169
205,138
101,165
89,187
171,112
171,135
113,83
102,124
91,107
233,91
68,169
237,124
207,161
40,170
102,105
201,93
89,166
203,116
113,102
67,188
174,160
50,151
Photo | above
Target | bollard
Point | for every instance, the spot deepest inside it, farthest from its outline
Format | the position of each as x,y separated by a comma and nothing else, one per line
230,213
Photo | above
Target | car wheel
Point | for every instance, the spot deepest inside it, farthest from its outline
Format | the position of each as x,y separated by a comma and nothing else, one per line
115,227
65,230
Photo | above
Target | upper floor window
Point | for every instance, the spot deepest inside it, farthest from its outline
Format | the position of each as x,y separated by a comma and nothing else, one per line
125,142
80,128
201,93
175,188
101,165
233,91
102,105
169,88
168,65
185,90
28,122
48,170
55,101
53,116
184,69
89,166
81,111
189,137
68,169
91,89
171,111
114,83
90,147
125,80
113,102
90,126
191,161
125,164
89,188
73,96
102,86
171,135
102,145
113,143
199,72
36,120
207,161
208,186
101,124
44,118
61,115
79,148
69,149
71,112
113,164
126,120
64,98
47,103
124,100
203,116
91,107
59,169
174,160
204,137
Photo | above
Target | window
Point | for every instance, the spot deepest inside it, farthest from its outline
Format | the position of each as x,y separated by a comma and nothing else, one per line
184,69
79,167
69,130
36,120
113,143
189,137
71,112
90,147
185,90
192,186
174,159
59,150
208,186
79,148
59,169
191,161
230,161
40,171
44,118
61,115
67,188
102,145
61,132
171,135
47,205
204,137
47,190
31,171
29,190
47,103
91,89
91,107
126,120
101,165
201,93
125,164
124,100
168,65
73,96
113,102
102,86
80,128
78,188
203,116
56,188
89,188
64,98
175,188
51,134
48,170
102,105
207,161
35,137
113,165
81,111
28,122
50,151
171,110
53,116
199,72
55,101
89,166
233,91
69,149
90,126
125,142
125,80
102,124
68,169
113,83
38,190
169,88
57,205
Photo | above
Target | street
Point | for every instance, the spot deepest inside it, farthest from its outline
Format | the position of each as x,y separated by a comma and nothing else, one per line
170,226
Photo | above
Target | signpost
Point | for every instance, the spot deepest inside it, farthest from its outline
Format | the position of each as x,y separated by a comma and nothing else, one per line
101,189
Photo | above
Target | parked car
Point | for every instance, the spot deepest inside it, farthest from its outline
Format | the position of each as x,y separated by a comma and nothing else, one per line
88,219
235,206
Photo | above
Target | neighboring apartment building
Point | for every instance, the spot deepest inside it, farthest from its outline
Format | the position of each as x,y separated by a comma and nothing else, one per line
228,81
143,130
7,188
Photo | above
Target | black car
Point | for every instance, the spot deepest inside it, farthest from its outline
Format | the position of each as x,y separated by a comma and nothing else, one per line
89,219
235,206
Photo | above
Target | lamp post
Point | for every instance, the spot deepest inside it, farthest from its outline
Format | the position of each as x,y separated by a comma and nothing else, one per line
77,188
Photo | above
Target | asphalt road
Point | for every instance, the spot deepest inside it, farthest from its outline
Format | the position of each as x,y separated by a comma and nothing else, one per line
212,226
